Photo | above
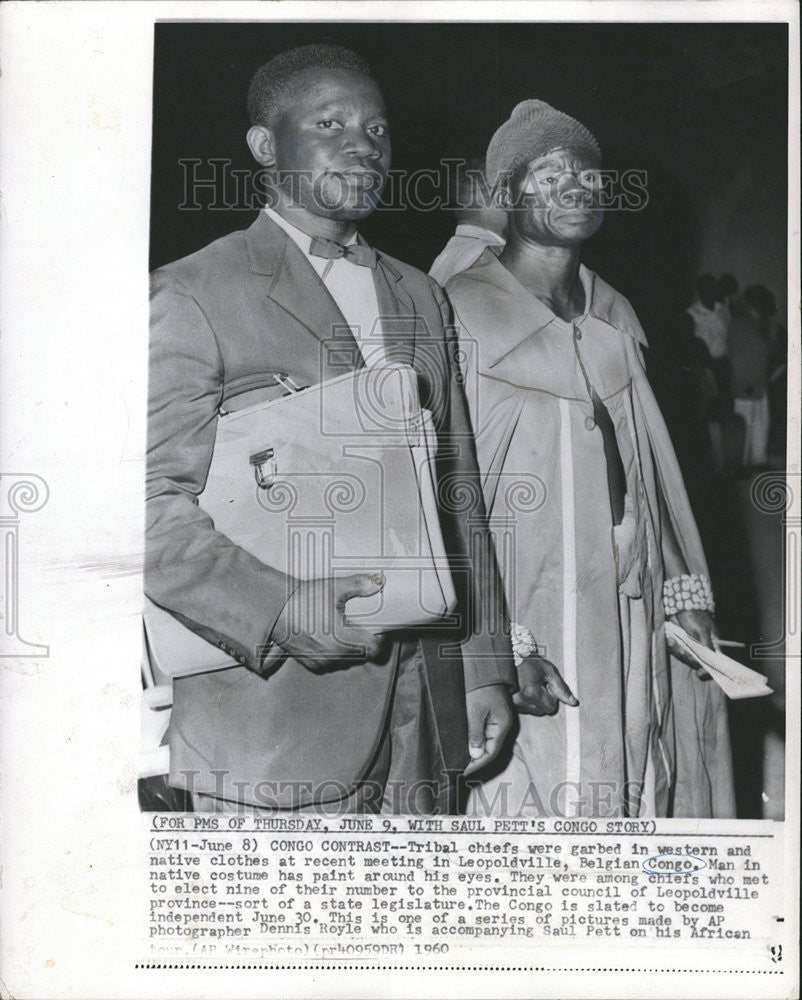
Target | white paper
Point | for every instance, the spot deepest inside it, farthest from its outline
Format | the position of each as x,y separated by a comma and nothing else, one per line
734,679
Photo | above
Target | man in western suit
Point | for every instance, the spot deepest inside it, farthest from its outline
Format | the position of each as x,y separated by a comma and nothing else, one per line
299,294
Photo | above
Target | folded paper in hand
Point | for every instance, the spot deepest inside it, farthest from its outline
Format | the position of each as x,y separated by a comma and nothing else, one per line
332,480
734,679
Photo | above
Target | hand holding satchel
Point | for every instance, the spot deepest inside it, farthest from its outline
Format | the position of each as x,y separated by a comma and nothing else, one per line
323,484
312,627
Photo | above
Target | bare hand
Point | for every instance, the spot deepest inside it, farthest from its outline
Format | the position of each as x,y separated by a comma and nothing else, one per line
312,627
700,626
541,688
489,721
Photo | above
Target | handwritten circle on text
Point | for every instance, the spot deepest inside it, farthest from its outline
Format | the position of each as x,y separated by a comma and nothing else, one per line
673,864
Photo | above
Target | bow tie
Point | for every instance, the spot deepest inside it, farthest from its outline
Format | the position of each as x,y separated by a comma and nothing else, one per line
357,254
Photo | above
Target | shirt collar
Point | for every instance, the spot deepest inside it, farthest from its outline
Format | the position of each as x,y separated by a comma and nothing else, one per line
298,236
478,233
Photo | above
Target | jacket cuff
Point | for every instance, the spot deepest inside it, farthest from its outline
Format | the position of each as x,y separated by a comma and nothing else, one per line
271,638
241,626
486,661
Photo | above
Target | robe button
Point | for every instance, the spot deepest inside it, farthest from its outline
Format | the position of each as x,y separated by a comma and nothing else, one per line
590,424
578,334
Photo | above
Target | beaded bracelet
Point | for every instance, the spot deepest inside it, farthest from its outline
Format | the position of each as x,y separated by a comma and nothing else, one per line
523,642
689,592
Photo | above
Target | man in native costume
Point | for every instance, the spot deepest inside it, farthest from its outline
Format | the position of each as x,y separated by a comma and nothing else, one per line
592,527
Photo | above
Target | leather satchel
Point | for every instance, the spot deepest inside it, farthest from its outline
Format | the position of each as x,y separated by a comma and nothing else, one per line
331,480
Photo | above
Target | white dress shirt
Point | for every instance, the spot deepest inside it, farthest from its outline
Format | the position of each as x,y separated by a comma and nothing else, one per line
711,326
352,288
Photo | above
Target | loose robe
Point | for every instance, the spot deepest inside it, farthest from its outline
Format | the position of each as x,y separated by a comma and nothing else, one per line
649,737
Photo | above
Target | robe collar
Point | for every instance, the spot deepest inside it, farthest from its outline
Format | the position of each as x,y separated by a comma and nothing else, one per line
515,315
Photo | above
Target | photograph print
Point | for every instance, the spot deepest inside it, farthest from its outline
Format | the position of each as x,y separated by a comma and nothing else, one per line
467,420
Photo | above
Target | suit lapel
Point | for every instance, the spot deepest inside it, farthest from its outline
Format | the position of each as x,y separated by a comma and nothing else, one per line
294,286
397,311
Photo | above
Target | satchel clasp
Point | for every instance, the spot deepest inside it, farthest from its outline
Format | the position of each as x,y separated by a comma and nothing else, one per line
265,469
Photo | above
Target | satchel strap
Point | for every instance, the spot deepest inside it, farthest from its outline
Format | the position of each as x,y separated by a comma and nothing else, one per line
266,380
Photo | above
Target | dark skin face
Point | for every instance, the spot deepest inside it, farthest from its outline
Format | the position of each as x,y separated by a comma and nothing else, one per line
330,147
553,207
557,199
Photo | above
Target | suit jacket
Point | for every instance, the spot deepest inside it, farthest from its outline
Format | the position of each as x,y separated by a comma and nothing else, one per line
224,320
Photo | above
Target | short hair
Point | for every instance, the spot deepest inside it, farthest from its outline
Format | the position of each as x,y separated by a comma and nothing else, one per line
708,290
271,82
728,284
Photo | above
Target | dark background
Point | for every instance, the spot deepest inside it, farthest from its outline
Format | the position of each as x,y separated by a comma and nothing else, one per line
702,108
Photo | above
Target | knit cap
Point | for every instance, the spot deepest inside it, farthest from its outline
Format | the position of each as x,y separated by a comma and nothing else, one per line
533,129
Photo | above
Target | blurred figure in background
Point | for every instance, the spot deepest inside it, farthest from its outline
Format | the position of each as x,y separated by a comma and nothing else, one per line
480,223
778,380
711,320
749,355
679,369
728,292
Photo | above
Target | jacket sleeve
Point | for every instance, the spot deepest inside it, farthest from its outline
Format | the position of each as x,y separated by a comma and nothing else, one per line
486,649
206,581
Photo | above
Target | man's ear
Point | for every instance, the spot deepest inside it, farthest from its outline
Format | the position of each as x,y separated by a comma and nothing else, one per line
262,145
